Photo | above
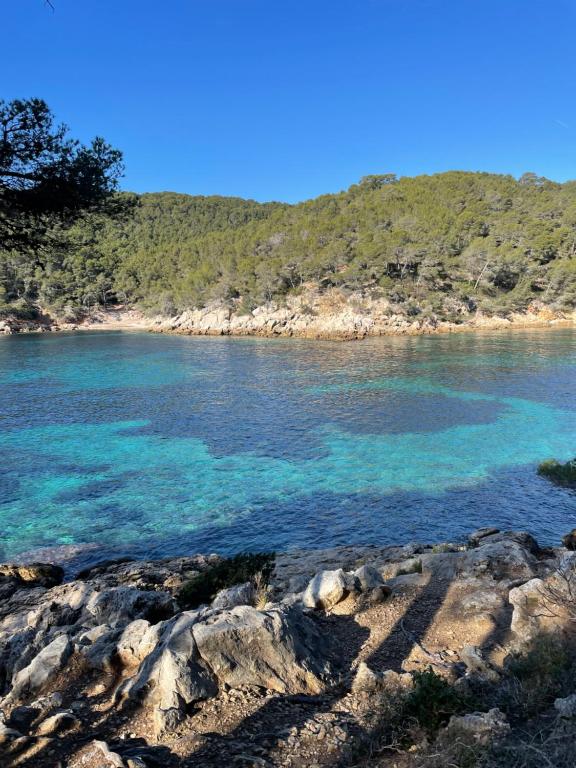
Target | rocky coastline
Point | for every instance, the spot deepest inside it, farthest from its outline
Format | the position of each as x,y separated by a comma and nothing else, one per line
110,668
332,315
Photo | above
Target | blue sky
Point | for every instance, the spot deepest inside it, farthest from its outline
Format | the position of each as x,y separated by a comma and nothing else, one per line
287,99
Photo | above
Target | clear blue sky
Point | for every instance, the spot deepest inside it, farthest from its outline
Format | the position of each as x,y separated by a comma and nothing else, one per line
286,99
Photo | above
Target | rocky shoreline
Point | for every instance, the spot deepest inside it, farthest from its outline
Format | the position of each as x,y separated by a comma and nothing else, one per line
332,315
111,669
337,316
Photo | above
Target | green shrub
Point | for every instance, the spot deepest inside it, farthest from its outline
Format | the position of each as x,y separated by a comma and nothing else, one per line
537,676
561,474
415,567
202,589
433,701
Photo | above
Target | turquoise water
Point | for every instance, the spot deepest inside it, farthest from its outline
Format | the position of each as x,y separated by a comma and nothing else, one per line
124,443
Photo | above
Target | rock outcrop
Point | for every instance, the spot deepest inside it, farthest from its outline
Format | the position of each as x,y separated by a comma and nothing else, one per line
335,314
340,623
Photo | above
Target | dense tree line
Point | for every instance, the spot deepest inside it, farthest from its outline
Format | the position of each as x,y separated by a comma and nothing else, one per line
483,239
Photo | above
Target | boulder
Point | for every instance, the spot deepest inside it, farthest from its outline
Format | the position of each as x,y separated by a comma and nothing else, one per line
8,734
166,574
569,540
483,601
479,534
111,759
136,641
479,727
33,574
541,605
23,717
61,721
121,605
368,578
46,665
477,665
327,589
106,647
366,680
522,538
281,650
379,594
526,600
498,559
240,594
566,707
408,566
173,675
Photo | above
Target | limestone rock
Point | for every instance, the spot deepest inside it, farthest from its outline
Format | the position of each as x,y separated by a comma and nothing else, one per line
481,533
566,707
525,600
57,723
43,667
166,574
112,759
379,594
327,589
481,727
120,605
477,665
569,540
8,734
499,559
291,655
173,675
136,641
536,610
483,601
522,538
368,577
240,594
33,574
21,718
405,567
366,680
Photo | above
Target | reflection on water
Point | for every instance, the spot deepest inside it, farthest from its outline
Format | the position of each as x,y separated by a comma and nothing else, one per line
135,443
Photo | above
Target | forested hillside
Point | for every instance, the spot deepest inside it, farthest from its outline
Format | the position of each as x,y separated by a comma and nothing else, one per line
487,240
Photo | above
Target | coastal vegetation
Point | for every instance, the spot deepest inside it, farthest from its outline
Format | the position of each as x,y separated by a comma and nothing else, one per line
254,567
559,473
48,183
432,246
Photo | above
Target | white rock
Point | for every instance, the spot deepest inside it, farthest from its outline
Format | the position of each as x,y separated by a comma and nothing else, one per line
327,589
566,707
43,667
368,577
482,727
112,759
56,723
477,665
240,594
8,734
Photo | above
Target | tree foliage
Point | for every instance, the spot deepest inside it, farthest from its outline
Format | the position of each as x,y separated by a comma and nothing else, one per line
48,183
430,244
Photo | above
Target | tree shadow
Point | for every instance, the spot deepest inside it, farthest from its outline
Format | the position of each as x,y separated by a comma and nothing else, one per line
260,738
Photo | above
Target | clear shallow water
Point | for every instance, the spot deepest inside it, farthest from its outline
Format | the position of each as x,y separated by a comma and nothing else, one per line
151,445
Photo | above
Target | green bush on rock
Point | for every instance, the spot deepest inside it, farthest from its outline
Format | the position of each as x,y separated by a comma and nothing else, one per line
247,566
561,474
